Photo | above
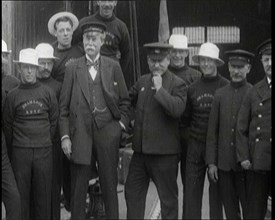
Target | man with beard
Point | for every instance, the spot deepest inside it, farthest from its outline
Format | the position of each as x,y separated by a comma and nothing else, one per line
46,61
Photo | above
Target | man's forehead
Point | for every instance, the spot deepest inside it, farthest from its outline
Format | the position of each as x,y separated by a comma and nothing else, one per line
62,23
92,34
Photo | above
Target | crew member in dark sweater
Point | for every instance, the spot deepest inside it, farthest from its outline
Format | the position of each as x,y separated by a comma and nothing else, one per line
179,67
199,100
117,42
30,118
221,156
8,81
62,25
46,60
10,193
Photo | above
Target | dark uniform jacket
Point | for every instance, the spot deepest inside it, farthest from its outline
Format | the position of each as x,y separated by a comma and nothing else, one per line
157,114
254,127
75,112
221,133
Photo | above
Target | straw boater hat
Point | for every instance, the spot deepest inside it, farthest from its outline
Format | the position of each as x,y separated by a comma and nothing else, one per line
209,50
58,15
5,47
45,51
179,41
28,56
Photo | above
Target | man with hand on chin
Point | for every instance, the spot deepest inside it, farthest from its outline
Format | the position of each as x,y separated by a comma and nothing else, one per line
158,99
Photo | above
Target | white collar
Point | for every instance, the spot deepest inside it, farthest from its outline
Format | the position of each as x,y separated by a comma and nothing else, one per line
268,80
88,58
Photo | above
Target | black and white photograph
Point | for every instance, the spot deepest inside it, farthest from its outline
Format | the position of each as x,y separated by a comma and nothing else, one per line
136,109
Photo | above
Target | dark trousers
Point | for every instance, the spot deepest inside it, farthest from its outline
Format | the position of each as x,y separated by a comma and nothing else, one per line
163,170
194,184
233,189
33,173
66,181
183,140
56,180
105,151
259,186
10,193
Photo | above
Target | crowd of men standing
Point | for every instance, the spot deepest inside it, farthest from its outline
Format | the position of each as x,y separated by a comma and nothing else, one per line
63,123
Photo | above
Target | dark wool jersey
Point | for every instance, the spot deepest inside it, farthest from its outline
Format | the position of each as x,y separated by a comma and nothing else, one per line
117,41
52,84
65,56
9,82
200,96
188,74
30,116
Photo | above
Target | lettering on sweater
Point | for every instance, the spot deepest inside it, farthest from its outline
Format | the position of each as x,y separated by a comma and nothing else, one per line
32,107
109,39
205,100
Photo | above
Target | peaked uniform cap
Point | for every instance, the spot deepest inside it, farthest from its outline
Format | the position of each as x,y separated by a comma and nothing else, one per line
179,41
45,51
93,25
28,56
208,50
265,47
158,50
239,57
55,17
5,47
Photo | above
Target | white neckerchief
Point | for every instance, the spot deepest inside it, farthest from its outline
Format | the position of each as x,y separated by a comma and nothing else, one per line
92,70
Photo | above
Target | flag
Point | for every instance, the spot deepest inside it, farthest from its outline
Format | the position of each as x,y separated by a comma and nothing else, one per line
163,33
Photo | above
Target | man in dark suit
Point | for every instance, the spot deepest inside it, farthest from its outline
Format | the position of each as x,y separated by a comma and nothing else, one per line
254,138
220,155
159,100
94,106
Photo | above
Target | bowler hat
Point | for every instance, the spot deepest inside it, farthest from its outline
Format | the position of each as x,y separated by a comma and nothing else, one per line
179,41
265,47
158,50
93,25
5,47
45,51
239,57
209,50
58,15
28,56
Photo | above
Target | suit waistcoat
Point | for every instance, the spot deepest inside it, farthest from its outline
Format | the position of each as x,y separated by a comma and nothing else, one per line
101,113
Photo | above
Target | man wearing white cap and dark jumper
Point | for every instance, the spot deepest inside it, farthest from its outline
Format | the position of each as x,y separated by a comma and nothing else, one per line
8,81
180,68
199,100
46,61
30,118
10,193
62,25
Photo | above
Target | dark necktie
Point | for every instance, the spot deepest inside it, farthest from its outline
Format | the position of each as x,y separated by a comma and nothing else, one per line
94,64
